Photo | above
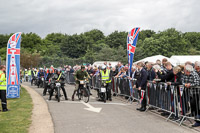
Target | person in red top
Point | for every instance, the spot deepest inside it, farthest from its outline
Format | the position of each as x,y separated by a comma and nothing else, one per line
52,68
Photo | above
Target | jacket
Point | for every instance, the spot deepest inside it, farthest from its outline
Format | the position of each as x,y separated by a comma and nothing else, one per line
2,80
142,79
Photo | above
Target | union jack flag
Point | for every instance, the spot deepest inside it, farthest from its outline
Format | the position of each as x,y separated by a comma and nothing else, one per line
131,46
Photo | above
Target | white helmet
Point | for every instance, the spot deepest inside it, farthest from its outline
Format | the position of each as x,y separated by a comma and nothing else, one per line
103,67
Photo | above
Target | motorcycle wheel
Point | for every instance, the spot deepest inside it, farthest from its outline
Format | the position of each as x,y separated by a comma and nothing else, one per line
104,95
41,85
58,94
86,95
79,93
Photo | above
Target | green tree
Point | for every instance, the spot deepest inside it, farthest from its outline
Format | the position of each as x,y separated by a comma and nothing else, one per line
32,42
115,39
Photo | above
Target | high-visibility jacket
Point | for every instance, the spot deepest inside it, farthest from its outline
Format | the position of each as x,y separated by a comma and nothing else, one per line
25,72
34,73
105,76
2,81
29,72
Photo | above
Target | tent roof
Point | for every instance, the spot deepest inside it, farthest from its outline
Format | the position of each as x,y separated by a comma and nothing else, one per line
181,59
156,57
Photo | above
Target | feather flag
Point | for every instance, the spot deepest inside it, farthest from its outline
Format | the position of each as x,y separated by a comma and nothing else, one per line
13,66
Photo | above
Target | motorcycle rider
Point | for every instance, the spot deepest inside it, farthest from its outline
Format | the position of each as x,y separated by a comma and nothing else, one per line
34,75
79,75
40,75
47,78
58,77
106,75
29,75
25,74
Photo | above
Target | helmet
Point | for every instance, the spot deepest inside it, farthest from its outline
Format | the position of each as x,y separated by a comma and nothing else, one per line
103,67
59,70
82,67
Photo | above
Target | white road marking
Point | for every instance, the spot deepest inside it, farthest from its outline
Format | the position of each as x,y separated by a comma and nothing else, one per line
91,108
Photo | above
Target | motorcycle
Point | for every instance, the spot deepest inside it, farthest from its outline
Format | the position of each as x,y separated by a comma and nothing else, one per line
57,91
83,91
26,78
102,91
41,85
34,81
48,84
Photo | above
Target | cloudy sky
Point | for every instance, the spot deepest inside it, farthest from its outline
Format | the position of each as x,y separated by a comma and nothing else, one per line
77,16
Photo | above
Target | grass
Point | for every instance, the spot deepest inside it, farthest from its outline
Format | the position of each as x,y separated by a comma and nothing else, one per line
18,119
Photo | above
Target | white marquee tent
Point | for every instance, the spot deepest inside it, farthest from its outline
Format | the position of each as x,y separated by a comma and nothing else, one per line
156,57
181,59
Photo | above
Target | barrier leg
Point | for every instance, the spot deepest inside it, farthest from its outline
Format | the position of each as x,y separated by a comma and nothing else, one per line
130,99
184,117
147,108
169,116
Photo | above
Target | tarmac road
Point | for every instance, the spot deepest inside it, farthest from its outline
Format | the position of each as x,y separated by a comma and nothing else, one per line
115,116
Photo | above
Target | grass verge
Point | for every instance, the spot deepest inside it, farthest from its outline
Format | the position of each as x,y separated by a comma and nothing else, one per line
18,119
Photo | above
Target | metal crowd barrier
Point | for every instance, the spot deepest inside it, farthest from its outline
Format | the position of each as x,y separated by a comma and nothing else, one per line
95,82
125,87
182,102
70,78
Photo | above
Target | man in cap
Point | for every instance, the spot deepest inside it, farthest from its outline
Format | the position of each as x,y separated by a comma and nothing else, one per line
79,75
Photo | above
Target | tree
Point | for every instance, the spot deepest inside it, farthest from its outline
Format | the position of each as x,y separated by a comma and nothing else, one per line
145,34
89,56
193,39
55,38
31,42
95,35
4,40
167,43
115,39
29,60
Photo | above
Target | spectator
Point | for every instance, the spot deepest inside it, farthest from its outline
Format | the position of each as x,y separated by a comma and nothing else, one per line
150,72
197,67
188,63
169,75
191,79
158,62
90,71
133,70
110,66
141,85
121,72
120,66
164,60
95,71
114,71
71,70
177,79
